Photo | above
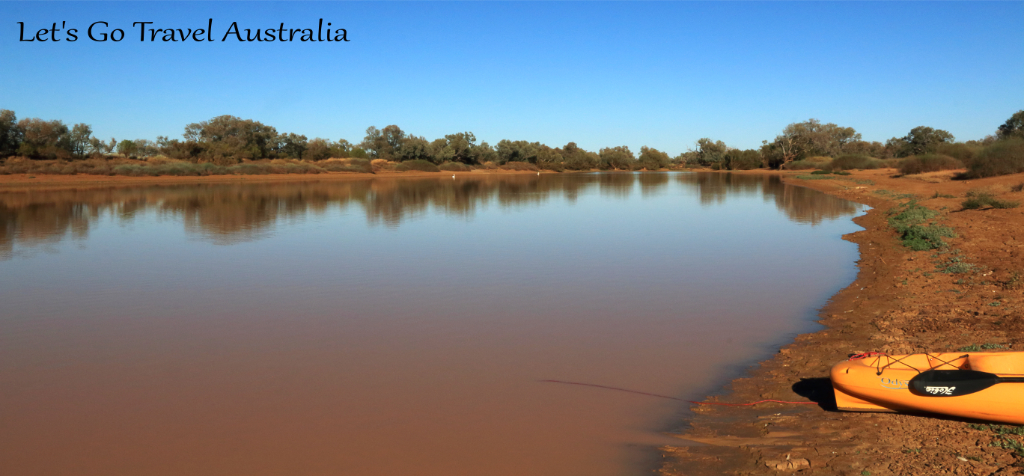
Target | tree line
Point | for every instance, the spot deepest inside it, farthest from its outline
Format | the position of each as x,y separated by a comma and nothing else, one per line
227,140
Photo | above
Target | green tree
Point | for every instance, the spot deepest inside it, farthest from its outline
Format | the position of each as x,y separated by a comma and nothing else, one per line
10,134
317,149
383,143
456,147
800,140
652,159
516,151
576,158
921,140
292,145
548,158
710,152
127,148
483,152
342,148
416,148
79,139
1013,127
44,139
618,158
736,159
226,139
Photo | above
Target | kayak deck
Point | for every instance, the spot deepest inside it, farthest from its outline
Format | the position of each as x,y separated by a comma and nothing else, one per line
880,383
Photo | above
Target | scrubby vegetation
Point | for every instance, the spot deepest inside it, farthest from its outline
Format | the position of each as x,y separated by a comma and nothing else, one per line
917,228
919,164
1003,157
855,162
418,165
228,141
980,198
454,167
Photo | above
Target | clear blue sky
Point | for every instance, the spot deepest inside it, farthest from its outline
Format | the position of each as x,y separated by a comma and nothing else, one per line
600,74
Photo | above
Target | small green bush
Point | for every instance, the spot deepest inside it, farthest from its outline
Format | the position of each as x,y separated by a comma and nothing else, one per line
928,163
417,165
913,223
979,198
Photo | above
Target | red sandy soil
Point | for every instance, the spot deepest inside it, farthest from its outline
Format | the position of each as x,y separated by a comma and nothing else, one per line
899,303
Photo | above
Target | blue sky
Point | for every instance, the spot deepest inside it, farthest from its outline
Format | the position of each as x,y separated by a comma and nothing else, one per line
661,74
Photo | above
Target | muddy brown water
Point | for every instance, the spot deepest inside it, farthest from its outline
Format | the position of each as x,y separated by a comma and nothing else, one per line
394,326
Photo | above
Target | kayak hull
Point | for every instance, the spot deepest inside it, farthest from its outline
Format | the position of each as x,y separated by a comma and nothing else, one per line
880,383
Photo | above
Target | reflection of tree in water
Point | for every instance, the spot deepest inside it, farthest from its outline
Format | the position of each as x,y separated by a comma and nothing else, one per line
38,223
229,213
800,204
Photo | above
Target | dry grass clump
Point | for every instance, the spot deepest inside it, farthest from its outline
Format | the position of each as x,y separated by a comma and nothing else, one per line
380,165
355,165
919,164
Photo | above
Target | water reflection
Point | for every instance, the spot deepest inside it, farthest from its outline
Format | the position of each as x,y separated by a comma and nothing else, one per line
235,212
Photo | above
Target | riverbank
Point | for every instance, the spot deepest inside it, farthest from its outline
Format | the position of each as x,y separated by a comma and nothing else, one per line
967,296
14,181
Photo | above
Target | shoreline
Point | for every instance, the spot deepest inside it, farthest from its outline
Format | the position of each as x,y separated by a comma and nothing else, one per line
900,302
23,181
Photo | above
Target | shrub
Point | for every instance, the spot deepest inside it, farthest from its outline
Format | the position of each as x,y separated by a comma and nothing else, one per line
454,167
860,162
378,165
912,222
519,166
1017,188
817,162
743,159
979,198
918,164
348,165
417,165
1002,157
959,151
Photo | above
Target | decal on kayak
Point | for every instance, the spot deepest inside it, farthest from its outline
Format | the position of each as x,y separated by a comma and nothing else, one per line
894,383
940,390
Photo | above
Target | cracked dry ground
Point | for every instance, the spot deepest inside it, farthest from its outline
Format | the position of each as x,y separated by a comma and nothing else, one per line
901,302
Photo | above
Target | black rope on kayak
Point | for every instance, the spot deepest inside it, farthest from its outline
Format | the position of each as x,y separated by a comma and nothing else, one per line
879,368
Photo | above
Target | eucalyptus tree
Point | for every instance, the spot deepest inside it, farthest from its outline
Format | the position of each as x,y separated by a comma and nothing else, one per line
10,133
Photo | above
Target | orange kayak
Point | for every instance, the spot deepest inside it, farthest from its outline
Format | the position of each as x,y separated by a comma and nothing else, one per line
978,385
